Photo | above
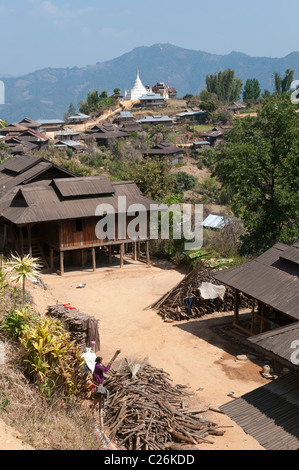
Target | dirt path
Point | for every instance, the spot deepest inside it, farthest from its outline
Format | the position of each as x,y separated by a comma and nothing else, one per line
10,439
190,352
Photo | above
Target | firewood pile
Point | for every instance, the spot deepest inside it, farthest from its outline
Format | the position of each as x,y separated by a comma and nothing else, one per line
83,328
173,306
146,412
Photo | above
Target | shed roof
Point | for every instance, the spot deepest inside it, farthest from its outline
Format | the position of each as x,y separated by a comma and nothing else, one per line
270,414
270,279
278,342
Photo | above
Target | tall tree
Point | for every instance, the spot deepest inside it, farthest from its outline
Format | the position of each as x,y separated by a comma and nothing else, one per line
283,85
225,85
251,91
259,166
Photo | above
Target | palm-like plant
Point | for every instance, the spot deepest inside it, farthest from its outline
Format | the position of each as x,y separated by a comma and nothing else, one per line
22,269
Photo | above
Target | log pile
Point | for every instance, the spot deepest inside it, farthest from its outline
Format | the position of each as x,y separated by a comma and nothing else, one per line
172,306
83,328
146,412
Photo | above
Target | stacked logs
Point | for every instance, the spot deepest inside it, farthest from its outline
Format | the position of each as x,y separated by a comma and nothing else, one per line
83,328
172,306
146,412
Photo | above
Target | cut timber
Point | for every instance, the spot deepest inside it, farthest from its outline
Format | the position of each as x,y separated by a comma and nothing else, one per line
173,305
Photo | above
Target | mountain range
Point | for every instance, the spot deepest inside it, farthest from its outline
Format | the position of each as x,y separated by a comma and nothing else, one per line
47,93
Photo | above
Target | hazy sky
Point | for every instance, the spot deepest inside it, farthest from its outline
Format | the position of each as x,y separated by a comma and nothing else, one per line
65,33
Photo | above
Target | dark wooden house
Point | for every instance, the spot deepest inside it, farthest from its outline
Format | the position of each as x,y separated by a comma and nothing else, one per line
106,133
166,151
49,212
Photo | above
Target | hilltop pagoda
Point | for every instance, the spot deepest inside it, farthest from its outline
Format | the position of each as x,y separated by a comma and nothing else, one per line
137,90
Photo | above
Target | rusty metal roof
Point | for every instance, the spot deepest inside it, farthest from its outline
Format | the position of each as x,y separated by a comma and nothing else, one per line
270,414
269,279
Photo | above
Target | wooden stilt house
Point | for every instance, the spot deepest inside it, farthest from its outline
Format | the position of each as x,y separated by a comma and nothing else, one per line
48,211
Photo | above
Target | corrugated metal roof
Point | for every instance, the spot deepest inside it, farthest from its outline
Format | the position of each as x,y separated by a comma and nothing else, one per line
216,221
269,279
278,341
151,96
152,119
49,121
270,414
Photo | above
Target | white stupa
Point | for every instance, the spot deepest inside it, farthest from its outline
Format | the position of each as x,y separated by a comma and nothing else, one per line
137,90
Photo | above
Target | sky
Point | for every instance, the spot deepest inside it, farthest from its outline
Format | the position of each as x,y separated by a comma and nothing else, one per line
36,34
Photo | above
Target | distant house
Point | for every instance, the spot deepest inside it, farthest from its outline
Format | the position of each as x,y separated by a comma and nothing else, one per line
154,120
127,122
172,93
67,134
50,125
12,129
236,107
105,133
199,117
167,151
30,124
215,136
150,100
201,144
78,118
69,144
25,140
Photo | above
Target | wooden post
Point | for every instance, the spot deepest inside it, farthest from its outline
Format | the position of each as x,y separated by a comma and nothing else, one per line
122,255
262,318
134,251
148,261
21,241
52,258
61,253
94,264
236,307
110,254
138,250
82,258
29,239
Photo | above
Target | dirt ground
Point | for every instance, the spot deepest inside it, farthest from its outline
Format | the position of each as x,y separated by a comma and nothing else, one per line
191,352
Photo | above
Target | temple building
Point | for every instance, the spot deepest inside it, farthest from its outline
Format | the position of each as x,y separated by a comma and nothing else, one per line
137,90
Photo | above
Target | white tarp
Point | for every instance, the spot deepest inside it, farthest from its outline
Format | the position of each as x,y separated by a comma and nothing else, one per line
90,358
210,291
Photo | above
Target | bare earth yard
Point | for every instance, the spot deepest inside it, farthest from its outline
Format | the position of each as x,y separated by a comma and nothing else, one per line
191,352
